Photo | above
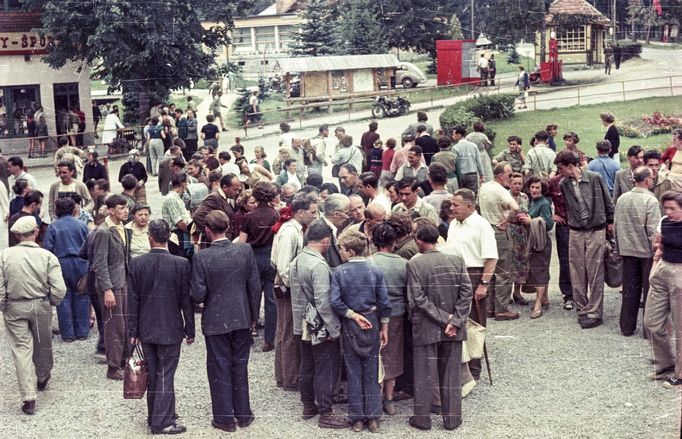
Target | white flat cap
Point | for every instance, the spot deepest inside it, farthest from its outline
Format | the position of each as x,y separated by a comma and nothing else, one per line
25,224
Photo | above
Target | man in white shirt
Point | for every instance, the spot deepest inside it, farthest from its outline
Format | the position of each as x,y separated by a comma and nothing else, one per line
319,146
473,237
369,188
483,70
497,204
15,167
226,167
286,245
287,137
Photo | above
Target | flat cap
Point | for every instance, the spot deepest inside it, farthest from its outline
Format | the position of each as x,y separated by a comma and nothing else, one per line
25,224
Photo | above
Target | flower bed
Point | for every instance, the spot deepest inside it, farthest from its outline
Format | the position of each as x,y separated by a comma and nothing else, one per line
650,125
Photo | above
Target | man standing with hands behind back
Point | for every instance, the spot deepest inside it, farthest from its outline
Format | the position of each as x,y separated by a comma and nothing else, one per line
160,316
230,310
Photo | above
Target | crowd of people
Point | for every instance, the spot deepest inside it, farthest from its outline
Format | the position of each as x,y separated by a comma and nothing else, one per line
357,282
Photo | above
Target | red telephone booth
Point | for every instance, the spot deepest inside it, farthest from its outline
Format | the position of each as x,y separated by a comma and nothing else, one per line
456,63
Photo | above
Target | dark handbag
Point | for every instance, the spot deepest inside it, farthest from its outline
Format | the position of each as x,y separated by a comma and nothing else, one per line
86,284
613,264
136,375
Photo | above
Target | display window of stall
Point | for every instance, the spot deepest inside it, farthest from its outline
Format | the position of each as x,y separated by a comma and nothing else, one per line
65,97
17,104
339,82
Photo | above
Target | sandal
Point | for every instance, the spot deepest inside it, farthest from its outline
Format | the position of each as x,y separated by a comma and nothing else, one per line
536,313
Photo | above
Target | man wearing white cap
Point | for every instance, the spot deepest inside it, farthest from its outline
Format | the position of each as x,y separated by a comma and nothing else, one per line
33,283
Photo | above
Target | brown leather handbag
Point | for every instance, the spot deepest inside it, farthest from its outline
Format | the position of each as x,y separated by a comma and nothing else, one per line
136,376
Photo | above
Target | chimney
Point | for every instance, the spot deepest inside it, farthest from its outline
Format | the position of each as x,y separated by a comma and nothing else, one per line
283,6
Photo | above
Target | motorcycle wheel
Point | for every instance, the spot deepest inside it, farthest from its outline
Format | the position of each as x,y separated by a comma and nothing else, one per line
378,112
403,110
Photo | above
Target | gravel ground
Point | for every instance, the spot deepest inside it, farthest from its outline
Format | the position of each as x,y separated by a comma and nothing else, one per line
551,380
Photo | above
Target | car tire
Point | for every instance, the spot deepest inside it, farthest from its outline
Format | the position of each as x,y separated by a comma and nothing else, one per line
408,82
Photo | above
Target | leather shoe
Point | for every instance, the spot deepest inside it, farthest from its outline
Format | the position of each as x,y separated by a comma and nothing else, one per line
414,423
435,409
389,407
115,373
43,384
231,428
309,413
402,396
172,429
245,423
330,420
490,314
520,300
507,315
358,426
373,425
589,323
29,407
267,347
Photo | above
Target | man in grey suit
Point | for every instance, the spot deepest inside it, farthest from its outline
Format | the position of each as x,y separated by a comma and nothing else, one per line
310,280
161,315
439,294
225,279
108,254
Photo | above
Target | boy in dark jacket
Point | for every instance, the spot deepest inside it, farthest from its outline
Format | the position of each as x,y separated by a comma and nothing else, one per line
360,298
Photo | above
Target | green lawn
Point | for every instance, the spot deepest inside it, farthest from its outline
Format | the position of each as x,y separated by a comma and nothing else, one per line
584,120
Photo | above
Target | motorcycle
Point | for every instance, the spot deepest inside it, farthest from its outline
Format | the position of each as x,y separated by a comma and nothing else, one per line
392,108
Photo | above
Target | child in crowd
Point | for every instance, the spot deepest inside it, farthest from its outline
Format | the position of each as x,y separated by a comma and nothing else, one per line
375,154
359,297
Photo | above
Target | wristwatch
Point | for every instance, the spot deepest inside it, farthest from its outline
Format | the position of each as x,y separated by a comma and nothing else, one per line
485,282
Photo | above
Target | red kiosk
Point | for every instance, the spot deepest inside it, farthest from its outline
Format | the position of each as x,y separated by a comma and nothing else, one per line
456,62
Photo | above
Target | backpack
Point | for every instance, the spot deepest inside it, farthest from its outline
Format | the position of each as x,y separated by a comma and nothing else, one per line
183,128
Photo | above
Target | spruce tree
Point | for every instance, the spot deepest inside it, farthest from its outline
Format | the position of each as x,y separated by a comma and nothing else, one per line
317,34
360,29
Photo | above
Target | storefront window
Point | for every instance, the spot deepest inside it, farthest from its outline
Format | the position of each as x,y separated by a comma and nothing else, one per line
16,105
65,98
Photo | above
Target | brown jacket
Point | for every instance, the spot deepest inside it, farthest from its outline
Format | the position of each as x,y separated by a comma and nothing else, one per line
214,201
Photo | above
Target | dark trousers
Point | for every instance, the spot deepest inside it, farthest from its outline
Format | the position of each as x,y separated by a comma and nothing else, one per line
439,366
97,306
475,274
561,234
227,360
635,290
405,382
190,148
162,361
319,370
267,280
469,181
364,393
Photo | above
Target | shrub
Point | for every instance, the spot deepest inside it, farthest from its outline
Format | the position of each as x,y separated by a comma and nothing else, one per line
482,108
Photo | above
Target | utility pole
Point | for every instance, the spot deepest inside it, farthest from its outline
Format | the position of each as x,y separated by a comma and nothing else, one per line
473,33
613,18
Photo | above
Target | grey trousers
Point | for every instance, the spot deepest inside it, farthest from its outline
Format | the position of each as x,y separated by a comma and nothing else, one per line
665,301
586,263
439,366
116,340
28,326
503,270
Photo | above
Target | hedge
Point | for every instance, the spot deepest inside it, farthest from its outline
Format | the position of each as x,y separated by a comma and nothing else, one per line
482,108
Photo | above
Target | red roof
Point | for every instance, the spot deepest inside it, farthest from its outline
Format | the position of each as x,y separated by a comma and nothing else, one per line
576,7
20,21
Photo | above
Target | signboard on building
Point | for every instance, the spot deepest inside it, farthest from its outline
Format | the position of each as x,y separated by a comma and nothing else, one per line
23,43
